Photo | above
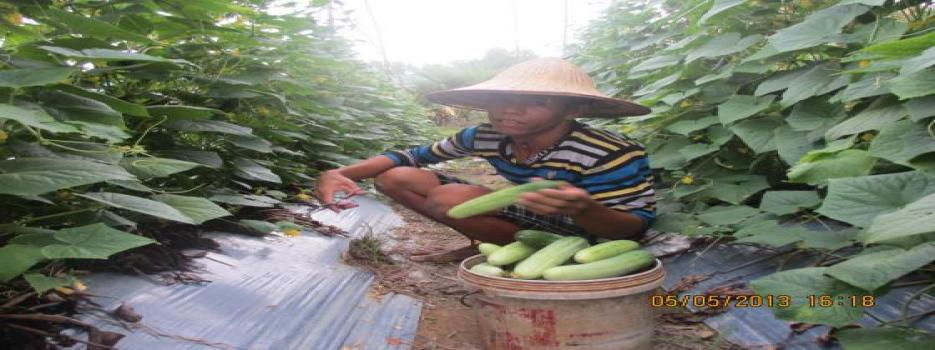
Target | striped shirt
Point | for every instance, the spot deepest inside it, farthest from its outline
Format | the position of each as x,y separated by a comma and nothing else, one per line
613,168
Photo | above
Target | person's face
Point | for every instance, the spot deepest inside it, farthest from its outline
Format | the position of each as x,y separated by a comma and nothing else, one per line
526,115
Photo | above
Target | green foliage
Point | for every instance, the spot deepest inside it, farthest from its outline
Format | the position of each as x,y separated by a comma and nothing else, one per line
802,109
109,110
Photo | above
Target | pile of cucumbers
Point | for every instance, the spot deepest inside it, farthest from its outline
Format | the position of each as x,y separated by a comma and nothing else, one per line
540,254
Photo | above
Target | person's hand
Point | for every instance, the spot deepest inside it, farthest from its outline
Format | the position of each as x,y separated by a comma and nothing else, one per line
331,182
562,200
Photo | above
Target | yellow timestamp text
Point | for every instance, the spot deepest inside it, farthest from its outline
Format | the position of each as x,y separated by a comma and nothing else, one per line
717,301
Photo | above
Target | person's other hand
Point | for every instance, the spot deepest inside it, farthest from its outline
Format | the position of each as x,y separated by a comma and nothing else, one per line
565,199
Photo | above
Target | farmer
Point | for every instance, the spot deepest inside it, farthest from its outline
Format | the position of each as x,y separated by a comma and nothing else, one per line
532,134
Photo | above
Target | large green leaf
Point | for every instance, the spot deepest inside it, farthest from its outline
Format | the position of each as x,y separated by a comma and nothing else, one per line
259,226
920,108
658,84
735,190
726,215
115,103
758,134
872,118
95,241
915,85
139,205
815,114
669,156
847,163
859,200
18,78
914,219
674,222
36,118
77,23
885,338
250,142
721,45
251,170
174,112
771,233
82,109
41,283
247,200
209,126
34,176
788,202
685,127
871,84
799,285
779,81
814,82
792,145
718,7
110,55
874,270
18,258
903,48
903,142
696,150
741,107
918,63
197,208
206,158
818,28
656,63
150,167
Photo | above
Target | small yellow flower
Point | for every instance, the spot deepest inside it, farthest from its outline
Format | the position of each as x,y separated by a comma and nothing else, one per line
303,197
685,103
626,129
867,136
15,18
65,290
688,179
3,136
77,285
863,63
292,233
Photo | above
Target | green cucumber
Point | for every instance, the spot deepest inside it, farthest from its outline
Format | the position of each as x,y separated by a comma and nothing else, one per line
537,239
498,199
552,255
488,270
611,267
487,248
605,250
510,253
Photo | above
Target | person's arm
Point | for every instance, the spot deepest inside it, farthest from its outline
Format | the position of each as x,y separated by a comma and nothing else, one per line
344,178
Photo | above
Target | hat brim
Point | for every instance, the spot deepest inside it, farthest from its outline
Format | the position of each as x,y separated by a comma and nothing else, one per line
479,99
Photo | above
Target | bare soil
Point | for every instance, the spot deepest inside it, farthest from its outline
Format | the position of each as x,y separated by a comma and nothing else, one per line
446,323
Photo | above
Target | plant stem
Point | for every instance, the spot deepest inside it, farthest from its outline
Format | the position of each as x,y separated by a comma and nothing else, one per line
57,215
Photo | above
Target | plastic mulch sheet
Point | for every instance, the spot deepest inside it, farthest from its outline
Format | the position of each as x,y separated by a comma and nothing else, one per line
267,293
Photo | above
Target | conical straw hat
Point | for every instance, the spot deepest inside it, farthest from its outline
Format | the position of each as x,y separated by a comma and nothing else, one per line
542,76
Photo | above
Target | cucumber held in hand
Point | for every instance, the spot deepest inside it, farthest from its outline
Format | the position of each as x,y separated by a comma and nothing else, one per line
612,267
498,199
605,250
552,255
536,239
510,253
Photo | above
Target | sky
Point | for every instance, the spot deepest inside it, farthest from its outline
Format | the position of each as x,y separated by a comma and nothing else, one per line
422,32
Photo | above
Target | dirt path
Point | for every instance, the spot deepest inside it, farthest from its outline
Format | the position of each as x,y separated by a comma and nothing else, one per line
446,323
